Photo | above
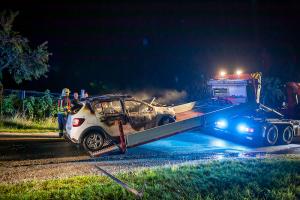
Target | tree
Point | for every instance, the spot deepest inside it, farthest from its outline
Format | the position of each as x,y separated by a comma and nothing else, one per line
16,55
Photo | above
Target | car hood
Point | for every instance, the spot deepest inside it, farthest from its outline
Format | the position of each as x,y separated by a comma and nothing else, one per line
165,110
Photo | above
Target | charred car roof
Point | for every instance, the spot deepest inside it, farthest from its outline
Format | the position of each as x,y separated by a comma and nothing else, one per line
109,97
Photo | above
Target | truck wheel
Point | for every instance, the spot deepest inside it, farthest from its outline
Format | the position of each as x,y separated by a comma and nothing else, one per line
93,141
287,135
271,135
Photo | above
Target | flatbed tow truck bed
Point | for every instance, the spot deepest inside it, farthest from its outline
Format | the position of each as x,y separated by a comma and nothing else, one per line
188,116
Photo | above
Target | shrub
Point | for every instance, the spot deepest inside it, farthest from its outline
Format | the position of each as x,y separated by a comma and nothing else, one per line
11,105
39,107
34,108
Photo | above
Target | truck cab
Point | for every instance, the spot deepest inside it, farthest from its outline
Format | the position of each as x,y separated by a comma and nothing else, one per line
234,89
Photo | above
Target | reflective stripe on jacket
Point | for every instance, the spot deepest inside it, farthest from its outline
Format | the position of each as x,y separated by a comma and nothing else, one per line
64,105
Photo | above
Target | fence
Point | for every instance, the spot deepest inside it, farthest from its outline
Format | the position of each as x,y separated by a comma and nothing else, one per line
24,93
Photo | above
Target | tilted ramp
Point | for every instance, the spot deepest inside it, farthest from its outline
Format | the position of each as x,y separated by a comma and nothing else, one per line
194,120
167,130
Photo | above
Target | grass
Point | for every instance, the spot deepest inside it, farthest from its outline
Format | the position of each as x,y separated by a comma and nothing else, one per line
235,179
20,125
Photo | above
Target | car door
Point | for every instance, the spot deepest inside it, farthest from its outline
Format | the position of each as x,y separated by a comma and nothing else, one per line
109,113
141,115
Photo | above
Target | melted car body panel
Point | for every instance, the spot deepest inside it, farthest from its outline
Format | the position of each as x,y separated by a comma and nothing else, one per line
106,113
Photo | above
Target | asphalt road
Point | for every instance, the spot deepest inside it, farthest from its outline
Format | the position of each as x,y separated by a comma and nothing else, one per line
192,144
36,147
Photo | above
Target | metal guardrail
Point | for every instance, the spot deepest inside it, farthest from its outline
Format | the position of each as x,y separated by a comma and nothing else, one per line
23,93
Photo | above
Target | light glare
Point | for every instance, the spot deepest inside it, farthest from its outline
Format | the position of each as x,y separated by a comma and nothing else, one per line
223,73
222,124
243,128
239,72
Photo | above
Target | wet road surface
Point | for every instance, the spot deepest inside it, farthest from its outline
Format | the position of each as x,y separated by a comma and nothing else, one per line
188,143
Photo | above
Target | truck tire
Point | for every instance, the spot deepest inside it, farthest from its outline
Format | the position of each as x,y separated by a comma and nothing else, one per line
271,135
287,135
93,141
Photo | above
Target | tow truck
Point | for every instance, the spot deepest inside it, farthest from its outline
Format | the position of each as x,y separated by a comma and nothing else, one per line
234,109
262,124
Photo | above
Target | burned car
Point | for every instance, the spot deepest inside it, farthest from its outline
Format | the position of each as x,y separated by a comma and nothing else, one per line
97,119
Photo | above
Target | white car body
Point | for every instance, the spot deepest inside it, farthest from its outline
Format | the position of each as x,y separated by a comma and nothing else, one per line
102,114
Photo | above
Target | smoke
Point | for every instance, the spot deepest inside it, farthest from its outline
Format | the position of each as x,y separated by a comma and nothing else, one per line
163,96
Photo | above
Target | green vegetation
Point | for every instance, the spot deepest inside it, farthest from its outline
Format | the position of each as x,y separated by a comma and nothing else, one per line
18,58
33,114
21,125
234,179
22,62
33,108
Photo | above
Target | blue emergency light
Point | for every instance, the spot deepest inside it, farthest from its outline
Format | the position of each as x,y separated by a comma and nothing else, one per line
221,124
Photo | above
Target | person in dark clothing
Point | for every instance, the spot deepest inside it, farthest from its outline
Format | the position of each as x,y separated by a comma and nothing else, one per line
75,102
85,96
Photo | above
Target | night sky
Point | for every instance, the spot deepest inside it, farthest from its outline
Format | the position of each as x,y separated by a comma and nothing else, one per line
158,45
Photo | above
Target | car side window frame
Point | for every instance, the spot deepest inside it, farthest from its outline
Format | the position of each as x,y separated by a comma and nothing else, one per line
102,112
94,107
141,103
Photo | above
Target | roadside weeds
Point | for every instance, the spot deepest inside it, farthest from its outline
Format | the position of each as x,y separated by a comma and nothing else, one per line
269,178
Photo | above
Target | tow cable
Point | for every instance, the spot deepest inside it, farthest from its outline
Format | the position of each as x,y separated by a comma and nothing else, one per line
121,183
122,149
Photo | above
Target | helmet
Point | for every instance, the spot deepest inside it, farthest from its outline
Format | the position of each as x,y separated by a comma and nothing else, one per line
65,92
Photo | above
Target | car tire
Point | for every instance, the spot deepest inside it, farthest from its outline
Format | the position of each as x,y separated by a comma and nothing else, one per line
271,135
93,141
166,120
287,135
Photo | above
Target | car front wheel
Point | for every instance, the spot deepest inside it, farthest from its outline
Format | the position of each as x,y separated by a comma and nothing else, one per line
93,141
